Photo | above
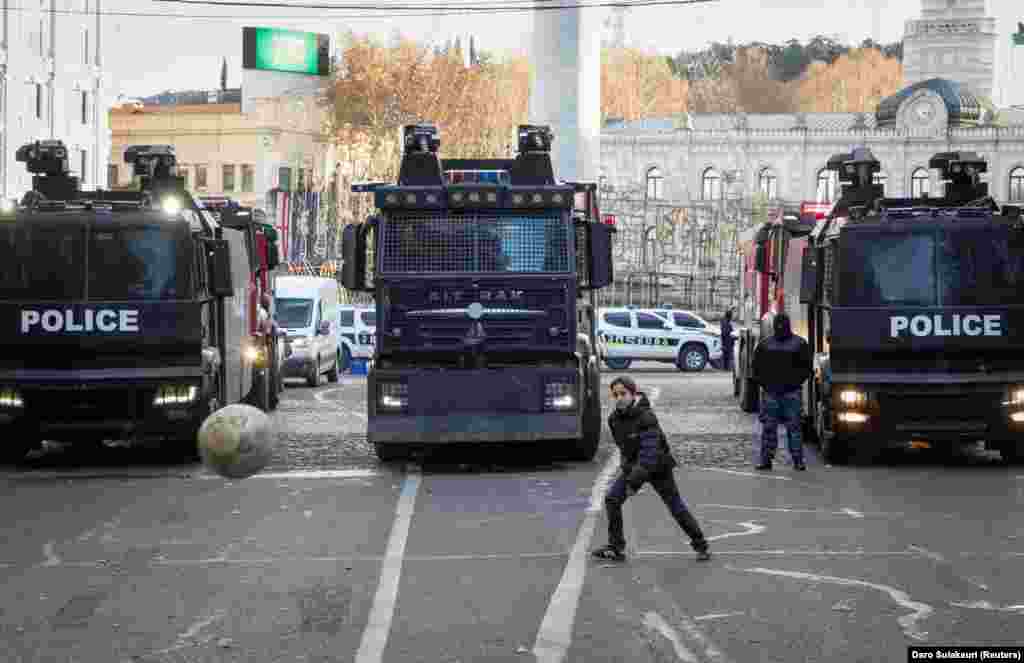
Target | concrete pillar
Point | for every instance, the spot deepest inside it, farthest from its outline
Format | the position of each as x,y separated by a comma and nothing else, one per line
566,88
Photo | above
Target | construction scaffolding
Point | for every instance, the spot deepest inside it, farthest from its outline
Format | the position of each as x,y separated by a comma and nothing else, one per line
682,254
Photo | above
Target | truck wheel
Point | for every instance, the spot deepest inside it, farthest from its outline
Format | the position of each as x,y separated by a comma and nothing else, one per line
749,395
16,446
391,453
333,374
346,359
692,358
618,364
274,398
834,449
313,379
585,448
1011,452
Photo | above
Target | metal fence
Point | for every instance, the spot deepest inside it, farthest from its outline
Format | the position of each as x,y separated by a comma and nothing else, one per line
682,254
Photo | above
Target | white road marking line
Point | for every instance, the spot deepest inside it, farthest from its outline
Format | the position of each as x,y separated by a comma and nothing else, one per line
784,553
761,475
693,632
787,509
750,528
985,605
718,615
315,474
656,622
378,626
977,582
852,513
907,622
187,638
51,557
927,553
555,633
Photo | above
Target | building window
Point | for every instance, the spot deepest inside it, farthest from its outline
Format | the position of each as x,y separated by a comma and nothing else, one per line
85,107
82,173
39,101
85,46
228,172
284,178
655,184
826,192
112,176
920,183
247,178
1017,185
200,177
768,183
880,178
711,185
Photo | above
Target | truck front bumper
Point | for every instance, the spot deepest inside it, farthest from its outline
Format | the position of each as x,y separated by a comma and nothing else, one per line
106,404
895,414
451,406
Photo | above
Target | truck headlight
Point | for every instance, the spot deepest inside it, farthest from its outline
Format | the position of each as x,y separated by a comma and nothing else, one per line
392,395
559,396
853,398
1017,396
852,417
175,394
11,398
255,355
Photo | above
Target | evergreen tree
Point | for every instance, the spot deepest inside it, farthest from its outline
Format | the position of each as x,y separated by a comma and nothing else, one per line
224,74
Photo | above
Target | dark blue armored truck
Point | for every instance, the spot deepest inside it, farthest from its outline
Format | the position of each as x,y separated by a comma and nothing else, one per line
916,315
122,313
485,305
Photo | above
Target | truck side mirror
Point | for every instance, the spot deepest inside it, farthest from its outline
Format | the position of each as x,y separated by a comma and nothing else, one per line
353,256
218,255
325,328
599,255
808,277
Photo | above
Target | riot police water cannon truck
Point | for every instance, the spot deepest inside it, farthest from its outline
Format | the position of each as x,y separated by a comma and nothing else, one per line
485,330
122,313
915,314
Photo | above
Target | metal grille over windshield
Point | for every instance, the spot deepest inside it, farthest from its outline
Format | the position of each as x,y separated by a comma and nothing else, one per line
475,243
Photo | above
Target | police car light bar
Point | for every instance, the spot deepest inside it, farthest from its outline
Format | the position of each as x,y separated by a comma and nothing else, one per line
608,219
368,187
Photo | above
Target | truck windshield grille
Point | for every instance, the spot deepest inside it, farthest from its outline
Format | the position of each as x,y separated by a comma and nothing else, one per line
475,243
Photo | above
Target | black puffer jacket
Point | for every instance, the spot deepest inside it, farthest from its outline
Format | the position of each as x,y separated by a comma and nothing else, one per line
641,442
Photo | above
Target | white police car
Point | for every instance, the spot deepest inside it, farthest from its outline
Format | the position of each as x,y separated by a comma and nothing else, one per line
357,333
630,334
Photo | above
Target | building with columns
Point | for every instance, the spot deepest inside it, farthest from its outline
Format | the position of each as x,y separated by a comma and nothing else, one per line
680,176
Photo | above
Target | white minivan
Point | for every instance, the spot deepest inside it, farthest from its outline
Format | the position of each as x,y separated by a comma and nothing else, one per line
304,306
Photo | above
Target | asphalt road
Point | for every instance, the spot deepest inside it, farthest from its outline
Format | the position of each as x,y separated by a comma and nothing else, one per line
120,554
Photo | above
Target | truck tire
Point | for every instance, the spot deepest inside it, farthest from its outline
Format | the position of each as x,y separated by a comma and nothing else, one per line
275,388
1011,451
313,379
693,358
749,395
346,359
618,364
391,453
585,448
16,446
835,450
333,375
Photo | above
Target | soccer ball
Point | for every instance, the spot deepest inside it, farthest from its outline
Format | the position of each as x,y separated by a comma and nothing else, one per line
236,441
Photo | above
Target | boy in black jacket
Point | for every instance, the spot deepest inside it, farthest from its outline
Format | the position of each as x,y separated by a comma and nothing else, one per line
646,457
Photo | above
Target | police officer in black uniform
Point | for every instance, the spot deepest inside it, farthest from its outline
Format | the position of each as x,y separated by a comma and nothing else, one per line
782,362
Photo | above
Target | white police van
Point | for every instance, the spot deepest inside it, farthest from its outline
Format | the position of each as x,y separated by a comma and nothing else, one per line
357,333
630,334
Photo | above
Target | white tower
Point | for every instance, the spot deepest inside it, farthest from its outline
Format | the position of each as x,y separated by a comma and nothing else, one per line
1009,59
566,91
953,39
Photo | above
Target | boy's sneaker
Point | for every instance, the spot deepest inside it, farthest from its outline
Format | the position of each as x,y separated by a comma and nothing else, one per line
764,467
703,555
609,554
799,467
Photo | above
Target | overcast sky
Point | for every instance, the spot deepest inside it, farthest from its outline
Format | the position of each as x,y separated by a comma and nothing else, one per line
149,54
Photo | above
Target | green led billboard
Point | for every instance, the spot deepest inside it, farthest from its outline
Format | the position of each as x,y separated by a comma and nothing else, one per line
289,51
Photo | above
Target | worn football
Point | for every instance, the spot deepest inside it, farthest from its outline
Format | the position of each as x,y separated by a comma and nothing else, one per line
237,441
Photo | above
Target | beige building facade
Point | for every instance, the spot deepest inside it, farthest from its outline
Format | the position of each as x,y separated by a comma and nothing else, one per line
280,146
